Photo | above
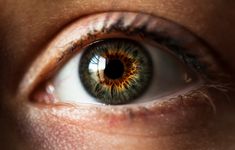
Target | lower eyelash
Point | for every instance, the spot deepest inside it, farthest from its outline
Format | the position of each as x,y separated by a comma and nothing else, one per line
207,91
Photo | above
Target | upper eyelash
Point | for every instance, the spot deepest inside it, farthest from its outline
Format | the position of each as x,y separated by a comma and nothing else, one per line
171,43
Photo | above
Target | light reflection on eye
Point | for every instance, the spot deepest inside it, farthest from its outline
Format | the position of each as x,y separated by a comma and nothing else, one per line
170,60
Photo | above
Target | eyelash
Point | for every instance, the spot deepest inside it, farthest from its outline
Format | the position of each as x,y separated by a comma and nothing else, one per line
187,47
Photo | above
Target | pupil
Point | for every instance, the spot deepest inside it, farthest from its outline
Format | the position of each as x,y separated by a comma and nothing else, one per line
114,69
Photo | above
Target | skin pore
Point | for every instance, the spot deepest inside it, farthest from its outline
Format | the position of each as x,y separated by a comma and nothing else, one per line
28,26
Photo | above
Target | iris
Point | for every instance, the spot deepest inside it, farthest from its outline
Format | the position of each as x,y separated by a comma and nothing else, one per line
115,71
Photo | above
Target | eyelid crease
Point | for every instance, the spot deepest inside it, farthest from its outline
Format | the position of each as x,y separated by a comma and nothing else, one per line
61,48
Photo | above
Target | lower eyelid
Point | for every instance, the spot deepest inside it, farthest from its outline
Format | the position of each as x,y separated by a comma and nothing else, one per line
178,119
180,111
51,128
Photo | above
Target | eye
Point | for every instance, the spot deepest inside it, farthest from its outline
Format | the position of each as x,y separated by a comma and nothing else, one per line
120,58
120,71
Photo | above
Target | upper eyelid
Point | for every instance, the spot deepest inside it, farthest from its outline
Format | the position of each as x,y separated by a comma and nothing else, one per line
57,49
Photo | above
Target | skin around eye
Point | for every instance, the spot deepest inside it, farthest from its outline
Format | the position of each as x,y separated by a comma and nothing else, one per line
171,115
55,130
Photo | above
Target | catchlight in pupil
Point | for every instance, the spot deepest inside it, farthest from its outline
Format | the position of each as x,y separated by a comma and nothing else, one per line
114,69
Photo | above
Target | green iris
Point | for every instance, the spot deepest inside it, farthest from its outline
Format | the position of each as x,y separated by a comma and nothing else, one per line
115,71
